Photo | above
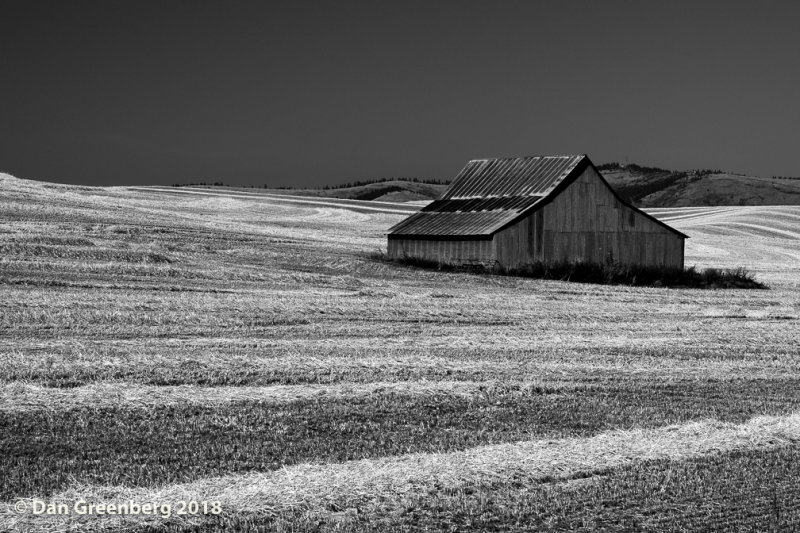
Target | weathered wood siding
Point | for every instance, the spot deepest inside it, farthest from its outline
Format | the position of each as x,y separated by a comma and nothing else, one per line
586,222
449,252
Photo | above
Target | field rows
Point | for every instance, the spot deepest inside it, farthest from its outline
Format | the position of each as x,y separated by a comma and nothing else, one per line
311,490
156,343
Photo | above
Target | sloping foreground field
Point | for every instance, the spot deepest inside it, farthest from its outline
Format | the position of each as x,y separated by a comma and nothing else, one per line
162,345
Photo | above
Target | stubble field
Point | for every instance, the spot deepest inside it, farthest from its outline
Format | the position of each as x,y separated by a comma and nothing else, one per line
159,345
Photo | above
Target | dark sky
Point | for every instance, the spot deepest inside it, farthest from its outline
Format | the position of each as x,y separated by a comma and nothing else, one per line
309,93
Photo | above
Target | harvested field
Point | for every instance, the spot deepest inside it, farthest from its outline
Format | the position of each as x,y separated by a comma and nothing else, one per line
162,344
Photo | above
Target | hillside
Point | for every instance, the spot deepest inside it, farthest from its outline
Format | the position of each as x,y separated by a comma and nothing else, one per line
387,191
655,187
394,190
642,186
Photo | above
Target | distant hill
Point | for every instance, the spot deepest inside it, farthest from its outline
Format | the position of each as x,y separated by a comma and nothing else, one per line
388,190
398,190
640,185
656,187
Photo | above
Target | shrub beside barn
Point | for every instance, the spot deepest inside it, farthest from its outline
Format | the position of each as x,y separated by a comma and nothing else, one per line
545,209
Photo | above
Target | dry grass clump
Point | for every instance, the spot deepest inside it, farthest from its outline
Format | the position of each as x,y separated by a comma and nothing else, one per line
605,273
51,240
83,253
20,397
742,490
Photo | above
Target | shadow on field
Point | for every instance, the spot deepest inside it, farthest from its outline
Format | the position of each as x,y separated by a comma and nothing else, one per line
600,273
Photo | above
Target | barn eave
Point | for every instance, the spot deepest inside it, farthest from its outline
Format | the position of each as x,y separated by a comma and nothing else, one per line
415,237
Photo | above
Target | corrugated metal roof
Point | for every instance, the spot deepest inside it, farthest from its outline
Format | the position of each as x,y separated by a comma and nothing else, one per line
515,203
456,224
521,176
488,194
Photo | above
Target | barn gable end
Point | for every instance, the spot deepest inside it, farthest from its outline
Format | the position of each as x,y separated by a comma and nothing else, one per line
586,221
515,212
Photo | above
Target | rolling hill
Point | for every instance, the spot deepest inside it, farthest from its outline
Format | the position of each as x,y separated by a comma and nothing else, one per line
656,187
393,190
642,186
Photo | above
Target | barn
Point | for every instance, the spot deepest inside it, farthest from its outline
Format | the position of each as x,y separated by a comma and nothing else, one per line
514,212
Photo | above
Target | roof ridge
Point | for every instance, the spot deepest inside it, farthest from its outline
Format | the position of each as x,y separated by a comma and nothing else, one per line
553,156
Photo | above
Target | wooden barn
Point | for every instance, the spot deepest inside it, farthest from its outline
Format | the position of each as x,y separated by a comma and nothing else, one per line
519,211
